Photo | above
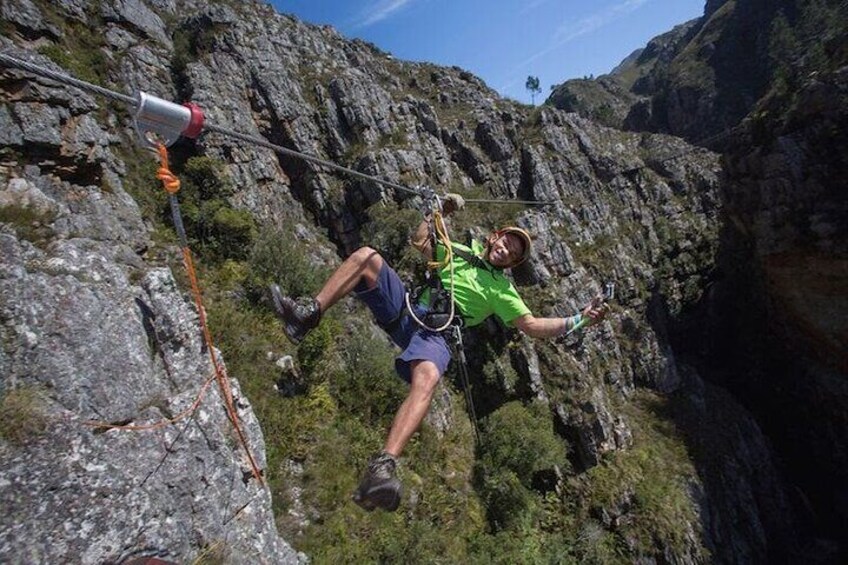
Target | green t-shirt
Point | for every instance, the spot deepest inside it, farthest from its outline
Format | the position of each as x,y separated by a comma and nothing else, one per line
480,291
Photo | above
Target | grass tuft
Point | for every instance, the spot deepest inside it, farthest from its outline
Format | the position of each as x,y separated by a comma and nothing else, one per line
22,417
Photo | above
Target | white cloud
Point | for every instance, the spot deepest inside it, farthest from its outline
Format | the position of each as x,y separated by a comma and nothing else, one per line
572,30
379,11
532,5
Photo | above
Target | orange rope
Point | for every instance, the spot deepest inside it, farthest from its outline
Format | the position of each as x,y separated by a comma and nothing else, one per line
171,184
220,372
161,423
169,180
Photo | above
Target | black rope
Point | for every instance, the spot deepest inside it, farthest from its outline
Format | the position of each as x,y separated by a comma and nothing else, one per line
459,350
178,220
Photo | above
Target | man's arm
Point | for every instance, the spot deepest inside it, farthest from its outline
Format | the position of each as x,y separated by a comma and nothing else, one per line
543,327
553,327
421,240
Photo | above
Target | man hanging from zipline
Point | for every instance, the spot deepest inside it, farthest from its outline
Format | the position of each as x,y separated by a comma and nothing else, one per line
480,290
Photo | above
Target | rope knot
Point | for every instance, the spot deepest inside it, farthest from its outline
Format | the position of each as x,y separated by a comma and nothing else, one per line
169,180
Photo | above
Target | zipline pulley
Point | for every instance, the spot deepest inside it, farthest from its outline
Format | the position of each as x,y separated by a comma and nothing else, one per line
166,120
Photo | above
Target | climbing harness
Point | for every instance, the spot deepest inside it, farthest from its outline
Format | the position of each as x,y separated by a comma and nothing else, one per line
440,316
441,310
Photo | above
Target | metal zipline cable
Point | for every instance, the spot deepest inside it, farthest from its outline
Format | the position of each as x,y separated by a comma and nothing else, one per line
37,70
314,160
10,61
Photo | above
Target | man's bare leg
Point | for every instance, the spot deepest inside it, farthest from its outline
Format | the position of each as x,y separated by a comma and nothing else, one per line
380,486
363,264
300,317
425,377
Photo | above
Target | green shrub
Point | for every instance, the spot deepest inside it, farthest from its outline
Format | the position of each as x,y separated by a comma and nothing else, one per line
520,546
516,442
141,183
278,256
508,501
21,415
650,480
521,439
214,228
317,352
82,59
367,385
388,231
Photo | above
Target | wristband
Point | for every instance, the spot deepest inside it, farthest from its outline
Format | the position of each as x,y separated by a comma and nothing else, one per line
576,321
573,321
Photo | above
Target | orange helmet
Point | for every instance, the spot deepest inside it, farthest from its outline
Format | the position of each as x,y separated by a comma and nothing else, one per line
522,235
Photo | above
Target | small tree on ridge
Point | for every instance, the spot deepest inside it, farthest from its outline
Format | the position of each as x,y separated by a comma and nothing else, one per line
532,85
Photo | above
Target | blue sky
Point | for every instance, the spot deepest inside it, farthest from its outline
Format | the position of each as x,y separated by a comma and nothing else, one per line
504,41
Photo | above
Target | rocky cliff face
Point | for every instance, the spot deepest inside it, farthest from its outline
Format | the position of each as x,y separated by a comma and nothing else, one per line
695,81
787,225
98,329
623,98
97,333
783,244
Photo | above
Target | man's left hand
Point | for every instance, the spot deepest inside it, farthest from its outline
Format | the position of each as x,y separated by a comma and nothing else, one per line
595,311
451,203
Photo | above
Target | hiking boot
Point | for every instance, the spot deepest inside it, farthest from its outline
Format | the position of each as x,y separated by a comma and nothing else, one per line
297,317
380,488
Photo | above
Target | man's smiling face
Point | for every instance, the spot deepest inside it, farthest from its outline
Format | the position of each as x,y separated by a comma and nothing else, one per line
506,251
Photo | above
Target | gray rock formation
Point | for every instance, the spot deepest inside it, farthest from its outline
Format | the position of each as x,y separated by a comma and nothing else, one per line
623,98
765,82
101,335
787,228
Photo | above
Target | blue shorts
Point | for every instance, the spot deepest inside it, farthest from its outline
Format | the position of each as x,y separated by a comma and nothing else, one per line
387,301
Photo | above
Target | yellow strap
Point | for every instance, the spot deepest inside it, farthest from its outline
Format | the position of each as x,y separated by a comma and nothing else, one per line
441,235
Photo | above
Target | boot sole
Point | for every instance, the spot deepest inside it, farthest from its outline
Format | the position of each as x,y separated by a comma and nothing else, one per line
385,496
279,309
362,502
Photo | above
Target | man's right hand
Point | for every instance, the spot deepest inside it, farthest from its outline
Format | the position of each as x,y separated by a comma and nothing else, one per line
451,203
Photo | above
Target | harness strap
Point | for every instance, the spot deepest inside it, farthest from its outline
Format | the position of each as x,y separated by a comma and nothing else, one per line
476,261
438,304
